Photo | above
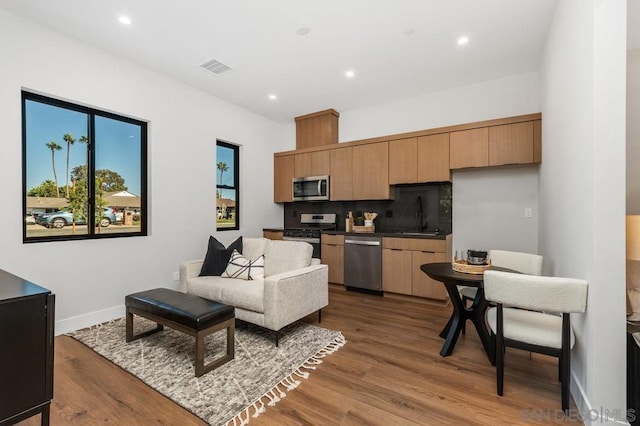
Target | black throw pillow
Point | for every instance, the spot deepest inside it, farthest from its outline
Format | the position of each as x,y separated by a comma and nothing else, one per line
217,258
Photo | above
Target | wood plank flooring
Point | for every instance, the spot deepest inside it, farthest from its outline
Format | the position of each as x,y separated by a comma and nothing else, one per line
389,373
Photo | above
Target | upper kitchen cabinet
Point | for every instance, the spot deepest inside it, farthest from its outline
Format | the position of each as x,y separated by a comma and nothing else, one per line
317,129
511,144
283,171
340,178
403,165
433,158
317,163
370,178
537,141
469,148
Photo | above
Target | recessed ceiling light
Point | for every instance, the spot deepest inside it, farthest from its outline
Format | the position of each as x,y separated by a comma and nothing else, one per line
302,31
350,74
463,40
409,31
273,97
124,19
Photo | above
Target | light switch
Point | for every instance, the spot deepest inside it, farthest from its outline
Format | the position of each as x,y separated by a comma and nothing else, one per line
528,212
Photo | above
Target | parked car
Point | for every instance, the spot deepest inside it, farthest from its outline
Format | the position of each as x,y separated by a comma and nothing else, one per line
30,219
62,218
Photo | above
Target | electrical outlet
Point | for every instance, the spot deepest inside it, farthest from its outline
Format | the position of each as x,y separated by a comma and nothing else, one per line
528,212
176,276
389,213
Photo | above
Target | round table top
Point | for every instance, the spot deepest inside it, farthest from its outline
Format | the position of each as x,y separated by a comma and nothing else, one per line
443,271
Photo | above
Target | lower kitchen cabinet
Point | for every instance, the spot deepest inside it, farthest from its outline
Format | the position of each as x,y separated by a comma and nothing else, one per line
401,260
332,254
397,275
424,286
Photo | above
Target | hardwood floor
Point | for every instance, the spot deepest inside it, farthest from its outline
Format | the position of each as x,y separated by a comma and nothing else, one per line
389,373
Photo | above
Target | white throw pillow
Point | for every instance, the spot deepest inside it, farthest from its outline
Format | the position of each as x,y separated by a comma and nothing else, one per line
243,268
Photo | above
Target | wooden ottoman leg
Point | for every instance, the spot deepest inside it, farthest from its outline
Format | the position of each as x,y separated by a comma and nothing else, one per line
200,368
129,326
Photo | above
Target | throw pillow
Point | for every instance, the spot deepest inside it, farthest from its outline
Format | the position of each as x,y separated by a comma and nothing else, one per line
243,268
217,257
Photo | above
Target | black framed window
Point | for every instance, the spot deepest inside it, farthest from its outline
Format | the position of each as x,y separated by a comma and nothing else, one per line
227,186
81,166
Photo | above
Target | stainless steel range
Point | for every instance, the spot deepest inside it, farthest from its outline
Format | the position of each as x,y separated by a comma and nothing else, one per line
310,228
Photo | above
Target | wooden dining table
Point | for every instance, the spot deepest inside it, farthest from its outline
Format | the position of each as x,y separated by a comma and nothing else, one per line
444,273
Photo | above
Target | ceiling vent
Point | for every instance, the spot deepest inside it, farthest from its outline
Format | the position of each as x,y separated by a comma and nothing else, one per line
216,67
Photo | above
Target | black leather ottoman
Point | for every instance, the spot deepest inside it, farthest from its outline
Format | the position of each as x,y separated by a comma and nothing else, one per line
193,315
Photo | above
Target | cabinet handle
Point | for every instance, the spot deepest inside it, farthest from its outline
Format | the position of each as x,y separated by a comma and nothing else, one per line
427,251
395,249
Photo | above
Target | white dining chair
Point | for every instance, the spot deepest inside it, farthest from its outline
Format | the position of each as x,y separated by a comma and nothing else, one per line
523,325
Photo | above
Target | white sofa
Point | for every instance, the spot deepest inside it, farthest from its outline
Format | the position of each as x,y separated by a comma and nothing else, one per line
294,286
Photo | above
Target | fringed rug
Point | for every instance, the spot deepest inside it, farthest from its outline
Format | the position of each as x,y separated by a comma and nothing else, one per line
258,376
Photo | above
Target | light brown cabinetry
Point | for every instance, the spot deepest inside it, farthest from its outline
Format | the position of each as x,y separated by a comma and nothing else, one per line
424,286
340,177
403,164
316,163
401,260
397,271
272,235
418,160
433,158
283,171
332,253
537,141
469,148
316,129
511,144
370,166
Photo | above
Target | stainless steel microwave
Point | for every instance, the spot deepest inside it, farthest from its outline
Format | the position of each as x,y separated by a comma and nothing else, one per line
313,188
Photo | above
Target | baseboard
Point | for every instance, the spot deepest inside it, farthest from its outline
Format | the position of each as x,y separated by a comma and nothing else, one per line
590,415
86,320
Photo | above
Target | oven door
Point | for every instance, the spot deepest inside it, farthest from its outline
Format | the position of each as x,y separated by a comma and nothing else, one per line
314,188
315,243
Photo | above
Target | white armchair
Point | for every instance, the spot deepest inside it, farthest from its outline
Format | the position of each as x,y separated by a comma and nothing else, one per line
528,328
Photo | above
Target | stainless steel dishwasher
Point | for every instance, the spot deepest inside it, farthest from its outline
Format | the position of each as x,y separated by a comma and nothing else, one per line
363,262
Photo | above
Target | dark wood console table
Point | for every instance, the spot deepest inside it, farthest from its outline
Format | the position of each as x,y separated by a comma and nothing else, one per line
26,349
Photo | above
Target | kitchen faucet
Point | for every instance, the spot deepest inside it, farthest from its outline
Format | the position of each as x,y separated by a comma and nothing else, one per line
419,213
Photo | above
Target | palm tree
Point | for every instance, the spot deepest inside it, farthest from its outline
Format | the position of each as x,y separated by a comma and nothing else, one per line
53,146
222,166
70,140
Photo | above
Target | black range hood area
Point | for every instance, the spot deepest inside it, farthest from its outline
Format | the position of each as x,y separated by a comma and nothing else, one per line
429,204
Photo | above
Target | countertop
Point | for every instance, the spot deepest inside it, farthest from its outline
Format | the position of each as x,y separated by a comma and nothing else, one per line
376,234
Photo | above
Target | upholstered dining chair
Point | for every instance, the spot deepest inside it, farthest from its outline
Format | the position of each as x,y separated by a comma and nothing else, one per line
525,263
528,328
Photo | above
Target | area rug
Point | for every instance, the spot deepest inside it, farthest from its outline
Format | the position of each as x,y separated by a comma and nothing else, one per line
258,377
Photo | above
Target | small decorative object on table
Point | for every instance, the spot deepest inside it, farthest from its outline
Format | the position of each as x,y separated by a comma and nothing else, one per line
476,262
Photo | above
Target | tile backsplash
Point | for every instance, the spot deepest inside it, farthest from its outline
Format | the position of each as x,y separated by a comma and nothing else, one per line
397,215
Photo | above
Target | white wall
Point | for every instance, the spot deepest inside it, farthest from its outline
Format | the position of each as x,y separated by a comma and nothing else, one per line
582,186
488,209
633,132
91,278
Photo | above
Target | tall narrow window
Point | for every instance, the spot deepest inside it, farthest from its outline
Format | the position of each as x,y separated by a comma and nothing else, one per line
81,166
227,186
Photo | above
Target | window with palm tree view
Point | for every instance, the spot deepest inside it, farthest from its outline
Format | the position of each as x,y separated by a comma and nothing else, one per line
81,166
227,186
